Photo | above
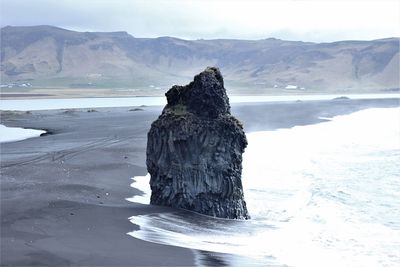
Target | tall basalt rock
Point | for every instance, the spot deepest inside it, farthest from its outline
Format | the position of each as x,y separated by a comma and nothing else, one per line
194,150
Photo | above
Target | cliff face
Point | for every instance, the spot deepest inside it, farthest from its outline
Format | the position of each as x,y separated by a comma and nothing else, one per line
194,150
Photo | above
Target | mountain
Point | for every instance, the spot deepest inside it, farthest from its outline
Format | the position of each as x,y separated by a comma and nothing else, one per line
47,56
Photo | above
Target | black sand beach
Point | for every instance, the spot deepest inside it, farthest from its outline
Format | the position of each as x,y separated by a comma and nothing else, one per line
63,195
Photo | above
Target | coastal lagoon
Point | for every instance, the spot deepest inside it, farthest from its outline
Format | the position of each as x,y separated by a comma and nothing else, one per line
73,103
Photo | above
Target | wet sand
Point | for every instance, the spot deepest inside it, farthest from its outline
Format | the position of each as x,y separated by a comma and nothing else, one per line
63,194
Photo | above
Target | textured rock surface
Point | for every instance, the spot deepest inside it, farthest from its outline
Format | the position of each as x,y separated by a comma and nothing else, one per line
194,150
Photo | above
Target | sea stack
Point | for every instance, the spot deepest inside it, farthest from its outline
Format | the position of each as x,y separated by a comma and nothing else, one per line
194,150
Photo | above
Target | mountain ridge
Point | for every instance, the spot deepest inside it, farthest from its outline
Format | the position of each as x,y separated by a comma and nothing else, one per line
49,56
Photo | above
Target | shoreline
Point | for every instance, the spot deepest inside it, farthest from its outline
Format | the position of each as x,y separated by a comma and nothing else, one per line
73,93
63,195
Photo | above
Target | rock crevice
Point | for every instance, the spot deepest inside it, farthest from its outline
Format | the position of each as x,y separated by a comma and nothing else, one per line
194,150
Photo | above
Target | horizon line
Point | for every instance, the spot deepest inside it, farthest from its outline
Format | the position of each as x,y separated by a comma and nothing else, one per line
198,39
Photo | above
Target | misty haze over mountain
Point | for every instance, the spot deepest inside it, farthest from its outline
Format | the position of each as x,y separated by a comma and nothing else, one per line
47,56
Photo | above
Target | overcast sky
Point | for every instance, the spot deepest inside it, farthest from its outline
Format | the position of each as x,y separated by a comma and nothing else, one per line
318,20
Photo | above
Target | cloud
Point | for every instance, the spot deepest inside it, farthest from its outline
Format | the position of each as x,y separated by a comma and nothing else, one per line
294,20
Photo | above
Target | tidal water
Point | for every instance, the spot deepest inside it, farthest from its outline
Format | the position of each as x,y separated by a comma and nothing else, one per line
326,194
12,134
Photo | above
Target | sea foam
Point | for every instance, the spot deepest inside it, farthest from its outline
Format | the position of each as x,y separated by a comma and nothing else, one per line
319,195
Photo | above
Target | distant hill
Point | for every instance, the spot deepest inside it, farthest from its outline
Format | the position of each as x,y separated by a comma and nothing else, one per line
48,56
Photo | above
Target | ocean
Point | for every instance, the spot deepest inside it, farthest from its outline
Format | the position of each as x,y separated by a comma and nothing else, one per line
326,194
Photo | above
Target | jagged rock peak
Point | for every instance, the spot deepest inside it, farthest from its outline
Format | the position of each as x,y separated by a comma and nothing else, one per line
204,97
194,150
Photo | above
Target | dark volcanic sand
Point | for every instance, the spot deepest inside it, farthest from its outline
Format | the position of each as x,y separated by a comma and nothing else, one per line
63,194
